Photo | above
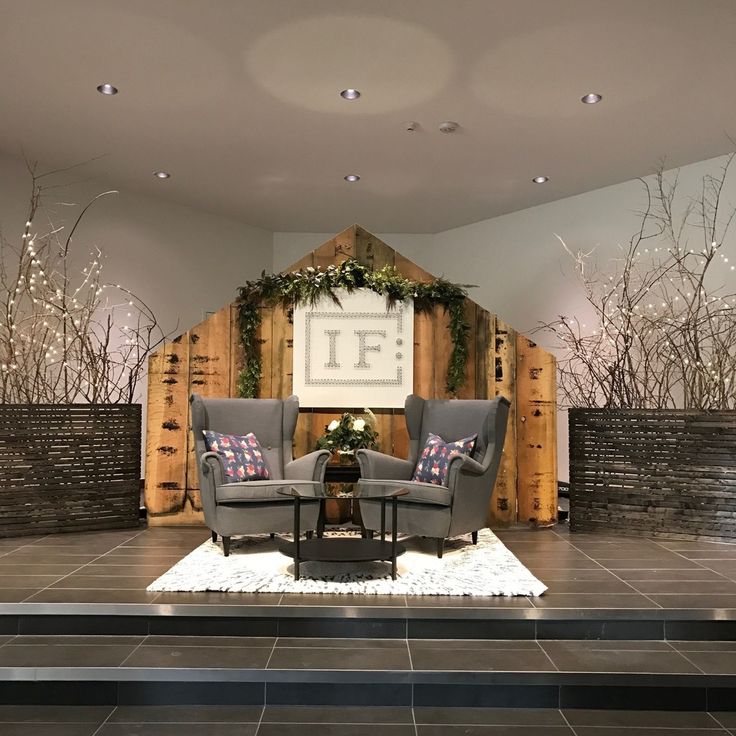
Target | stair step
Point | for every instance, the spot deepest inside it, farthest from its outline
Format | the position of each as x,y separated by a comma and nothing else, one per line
367,621
226,670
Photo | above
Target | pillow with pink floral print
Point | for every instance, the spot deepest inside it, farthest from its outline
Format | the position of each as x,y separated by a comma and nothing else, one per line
434,461
242,456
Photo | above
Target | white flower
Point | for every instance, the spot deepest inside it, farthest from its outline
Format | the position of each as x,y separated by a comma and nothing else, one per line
333,425
359,425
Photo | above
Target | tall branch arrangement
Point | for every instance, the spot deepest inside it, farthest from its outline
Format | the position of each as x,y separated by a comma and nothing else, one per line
309,285
663,332
65,335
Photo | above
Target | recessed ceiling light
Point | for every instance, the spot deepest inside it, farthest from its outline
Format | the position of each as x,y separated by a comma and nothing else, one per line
591,98
107,89
540,179
161,174
350,94
352,177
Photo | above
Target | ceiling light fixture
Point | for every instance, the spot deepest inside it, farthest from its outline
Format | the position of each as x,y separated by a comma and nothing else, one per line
352,177
540,179
350,94
591,98
448,126
161,174
107,89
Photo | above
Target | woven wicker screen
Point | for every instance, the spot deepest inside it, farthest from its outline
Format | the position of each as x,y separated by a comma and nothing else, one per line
637,471
69,468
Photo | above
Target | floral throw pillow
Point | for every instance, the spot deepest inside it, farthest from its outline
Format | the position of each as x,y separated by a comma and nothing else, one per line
242,456
434,462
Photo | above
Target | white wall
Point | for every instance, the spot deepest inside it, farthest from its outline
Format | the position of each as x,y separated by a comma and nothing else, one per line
517,263
181,262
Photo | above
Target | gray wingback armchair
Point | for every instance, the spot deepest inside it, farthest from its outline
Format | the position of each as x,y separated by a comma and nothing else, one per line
462,505
254,507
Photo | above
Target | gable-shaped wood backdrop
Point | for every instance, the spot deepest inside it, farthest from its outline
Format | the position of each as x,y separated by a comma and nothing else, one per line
206,360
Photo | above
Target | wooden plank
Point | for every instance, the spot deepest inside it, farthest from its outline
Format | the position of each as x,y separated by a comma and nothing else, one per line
265,338
236,352
166,434
282,354
536,426
400,435
410,270
303,443
372,252
318,419
501,381
336,250
468,389
482,336
424,364
442,348
384,427
209,375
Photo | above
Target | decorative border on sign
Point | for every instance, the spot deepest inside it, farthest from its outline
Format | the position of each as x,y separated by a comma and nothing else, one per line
397,314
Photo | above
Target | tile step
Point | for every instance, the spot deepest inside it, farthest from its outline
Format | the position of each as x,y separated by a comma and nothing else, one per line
367,622
198,686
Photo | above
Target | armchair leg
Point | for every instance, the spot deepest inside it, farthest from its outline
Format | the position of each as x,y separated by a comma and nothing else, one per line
440,546
226,546
214,536
474,537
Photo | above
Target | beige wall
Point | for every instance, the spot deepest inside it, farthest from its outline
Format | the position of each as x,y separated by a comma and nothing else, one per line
181,262
186,262
517,263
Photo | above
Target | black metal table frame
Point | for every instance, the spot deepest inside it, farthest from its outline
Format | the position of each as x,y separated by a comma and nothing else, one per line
296,547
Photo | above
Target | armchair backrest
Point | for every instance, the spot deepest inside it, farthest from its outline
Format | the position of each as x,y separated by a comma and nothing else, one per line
454,419
273,421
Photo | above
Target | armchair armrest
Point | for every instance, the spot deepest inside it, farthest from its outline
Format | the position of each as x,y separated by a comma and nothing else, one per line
377,465
466,464
213,470
308,467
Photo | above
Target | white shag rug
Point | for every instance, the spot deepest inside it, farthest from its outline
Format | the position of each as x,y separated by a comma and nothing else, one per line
255,565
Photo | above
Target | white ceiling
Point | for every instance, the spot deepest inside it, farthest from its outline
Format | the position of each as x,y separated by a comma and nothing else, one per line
238,99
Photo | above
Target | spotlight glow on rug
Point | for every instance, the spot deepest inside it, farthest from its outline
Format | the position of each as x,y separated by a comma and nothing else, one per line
256,566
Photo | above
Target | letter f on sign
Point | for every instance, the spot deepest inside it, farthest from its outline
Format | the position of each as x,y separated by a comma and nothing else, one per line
363,346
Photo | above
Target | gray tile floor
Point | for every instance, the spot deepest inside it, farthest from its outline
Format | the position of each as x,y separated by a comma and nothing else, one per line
336,721
582,571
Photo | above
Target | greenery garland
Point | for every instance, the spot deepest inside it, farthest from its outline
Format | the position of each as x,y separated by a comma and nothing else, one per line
309,285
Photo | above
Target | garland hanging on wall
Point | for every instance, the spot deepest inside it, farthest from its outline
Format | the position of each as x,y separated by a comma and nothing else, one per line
309,285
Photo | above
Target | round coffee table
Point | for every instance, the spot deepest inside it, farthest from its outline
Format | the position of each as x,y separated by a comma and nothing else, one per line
342,549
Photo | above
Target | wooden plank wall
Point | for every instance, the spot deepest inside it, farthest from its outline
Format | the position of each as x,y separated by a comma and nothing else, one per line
207,359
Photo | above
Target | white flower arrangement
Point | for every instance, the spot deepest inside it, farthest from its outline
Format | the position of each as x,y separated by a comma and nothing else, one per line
349,433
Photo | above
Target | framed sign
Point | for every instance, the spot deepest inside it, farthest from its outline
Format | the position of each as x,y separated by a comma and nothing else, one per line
358,354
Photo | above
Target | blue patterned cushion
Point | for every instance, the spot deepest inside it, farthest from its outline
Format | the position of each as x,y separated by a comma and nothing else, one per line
434,462
242,456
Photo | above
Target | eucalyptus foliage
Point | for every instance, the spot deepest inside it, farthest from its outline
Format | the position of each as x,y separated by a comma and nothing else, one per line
308,285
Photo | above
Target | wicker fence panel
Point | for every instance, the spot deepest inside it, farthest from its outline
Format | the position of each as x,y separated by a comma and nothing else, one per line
653,472
69,468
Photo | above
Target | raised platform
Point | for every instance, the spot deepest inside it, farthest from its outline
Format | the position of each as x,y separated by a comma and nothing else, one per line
627,623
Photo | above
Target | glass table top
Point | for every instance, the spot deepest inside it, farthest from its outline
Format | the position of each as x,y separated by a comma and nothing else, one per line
362,489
